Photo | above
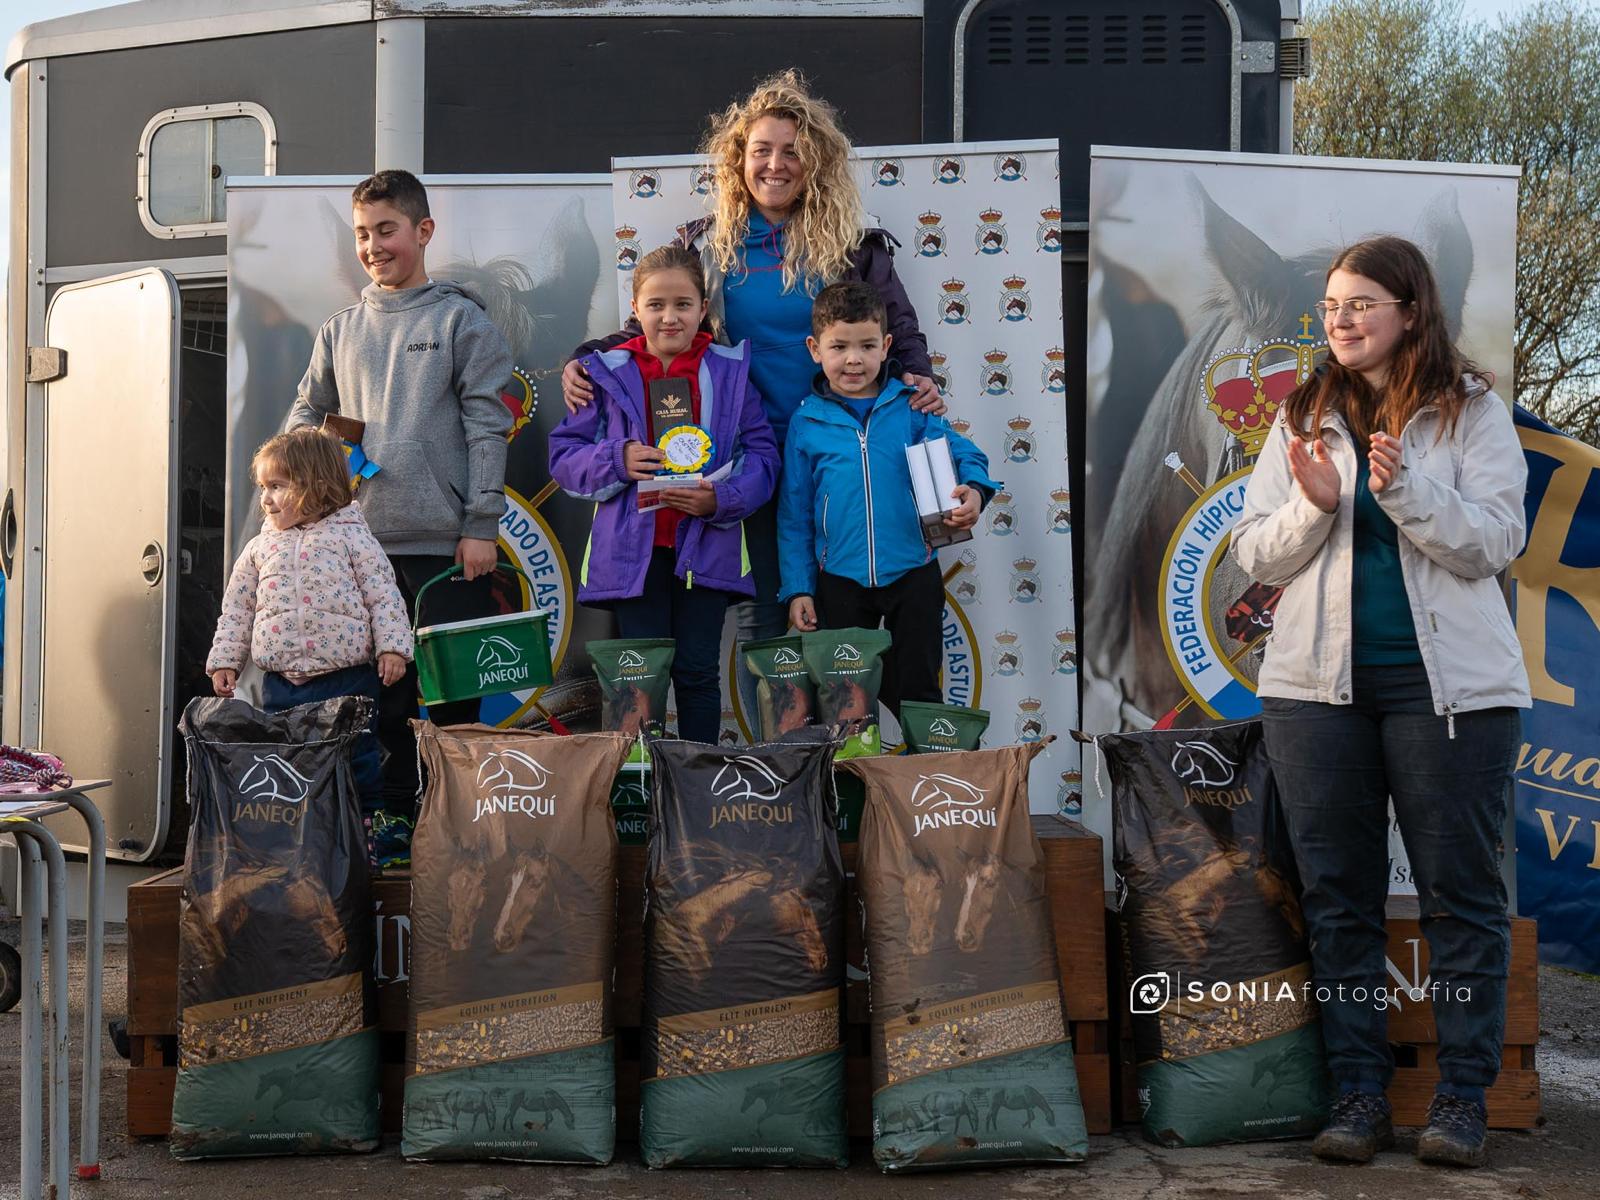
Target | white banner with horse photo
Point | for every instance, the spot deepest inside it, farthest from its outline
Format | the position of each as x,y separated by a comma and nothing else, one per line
1203,273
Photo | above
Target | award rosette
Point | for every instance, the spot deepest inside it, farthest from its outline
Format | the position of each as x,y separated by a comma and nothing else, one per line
685,448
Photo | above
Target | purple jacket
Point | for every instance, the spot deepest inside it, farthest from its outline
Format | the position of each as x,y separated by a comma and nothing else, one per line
871,262
586,460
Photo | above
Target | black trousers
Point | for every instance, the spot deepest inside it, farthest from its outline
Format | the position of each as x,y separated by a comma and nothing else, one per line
912,609
449,600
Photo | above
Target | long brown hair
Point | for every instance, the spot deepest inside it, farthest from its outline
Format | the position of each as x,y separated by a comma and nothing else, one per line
315,466
670,258
825,227
1426,367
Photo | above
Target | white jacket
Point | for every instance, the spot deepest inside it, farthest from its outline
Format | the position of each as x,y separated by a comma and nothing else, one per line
1457,502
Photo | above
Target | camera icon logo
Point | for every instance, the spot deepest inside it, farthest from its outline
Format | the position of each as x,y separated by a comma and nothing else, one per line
1150,993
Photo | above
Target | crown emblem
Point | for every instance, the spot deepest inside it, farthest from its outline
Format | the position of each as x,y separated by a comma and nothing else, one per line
1014,283
936,358
929,219
1061,496
961,425
954,286
1050,214
1067,637
1003,498
1252,385
1005,638
995,358
1019,425
1025,564
969,559
1055,355
1030,705
991,215
626,232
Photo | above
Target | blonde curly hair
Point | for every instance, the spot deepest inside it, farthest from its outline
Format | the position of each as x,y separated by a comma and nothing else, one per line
825,227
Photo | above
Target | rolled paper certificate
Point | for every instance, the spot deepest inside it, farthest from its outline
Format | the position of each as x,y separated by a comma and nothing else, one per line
922,481
944,472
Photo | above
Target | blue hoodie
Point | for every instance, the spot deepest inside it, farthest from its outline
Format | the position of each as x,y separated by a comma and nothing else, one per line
845,503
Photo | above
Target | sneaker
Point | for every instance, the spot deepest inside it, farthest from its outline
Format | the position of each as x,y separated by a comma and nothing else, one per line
1358,1129
391,841
1455,1133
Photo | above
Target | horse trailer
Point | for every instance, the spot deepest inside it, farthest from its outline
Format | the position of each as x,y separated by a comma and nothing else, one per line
127,121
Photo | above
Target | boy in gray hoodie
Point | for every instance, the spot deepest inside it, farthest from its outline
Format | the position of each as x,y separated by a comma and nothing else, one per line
422,365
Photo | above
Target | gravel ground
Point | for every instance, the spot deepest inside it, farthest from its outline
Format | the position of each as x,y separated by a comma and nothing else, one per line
1560,1160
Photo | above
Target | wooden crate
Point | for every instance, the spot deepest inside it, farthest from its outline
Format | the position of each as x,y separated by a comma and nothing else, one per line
1072,865
1513,1102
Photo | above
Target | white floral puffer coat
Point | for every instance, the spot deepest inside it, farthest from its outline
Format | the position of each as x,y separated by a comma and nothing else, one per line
311,599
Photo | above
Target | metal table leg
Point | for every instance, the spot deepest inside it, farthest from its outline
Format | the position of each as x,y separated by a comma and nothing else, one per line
31,887
95,935
55,864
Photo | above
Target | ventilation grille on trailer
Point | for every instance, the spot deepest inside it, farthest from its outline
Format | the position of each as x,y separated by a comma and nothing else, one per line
205,326
1107,39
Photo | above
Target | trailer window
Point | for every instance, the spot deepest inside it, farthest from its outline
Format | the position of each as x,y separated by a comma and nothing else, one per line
185,158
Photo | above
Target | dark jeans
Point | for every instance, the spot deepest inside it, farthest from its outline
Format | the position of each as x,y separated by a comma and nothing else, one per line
692,617
450,600
912,609
764,616
278,694
1337,766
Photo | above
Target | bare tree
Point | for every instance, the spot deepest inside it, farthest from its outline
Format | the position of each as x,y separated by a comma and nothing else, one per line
1414,79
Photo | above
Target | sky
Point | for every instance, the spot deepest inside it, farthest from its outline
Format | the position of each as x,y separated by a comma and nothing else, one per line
14,14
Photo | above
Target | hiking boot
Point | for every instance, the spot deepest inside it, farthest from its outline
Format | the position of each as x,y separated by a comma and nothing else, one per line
1358,1129
1455,1133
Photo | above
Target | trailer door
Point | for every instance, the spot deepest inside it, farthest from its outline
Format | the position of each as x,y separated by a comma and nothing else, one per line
106,704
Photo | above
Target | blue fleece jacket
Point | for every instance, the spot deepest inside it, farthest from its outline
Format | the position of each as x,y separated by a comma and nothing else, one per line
845,504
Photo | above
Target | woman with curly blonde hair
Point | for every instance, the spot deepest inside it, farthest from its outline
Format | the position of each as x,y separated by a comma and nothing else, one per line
786,221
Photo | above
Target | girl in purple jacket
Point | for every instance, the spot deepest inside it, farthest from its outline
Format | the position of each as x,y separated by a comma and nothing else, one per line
669,571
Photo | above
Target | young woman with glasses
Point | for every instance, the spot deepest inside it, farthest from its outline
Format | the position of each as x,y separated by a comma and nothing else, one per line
1387,500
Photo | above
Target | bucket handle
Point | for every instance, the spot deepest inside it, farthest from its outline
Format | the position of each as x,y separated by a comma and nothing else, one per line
416,614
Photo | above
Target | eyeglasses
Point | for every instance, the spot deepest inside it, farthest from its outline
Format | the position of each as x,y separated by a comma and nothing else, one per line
1358,309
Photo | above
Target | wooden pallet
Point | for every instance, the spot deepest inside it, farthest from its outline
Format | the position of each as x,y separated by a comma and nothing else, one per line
1073,879
1513,1102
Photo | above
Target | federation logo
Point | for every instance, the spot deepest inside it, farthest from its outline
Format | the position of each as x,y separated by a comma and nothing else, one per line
940,375
930,235
521,398
1009,168
1015,303
990,237
1007,654
1058,519
995,374
1031,726
962,580
950,169
1065,654
1069,795
1002,516
888,172
702,181
644,184
1019,440
1025,585
528,543
1048,234
628,248
955,307
1053,374
1242,389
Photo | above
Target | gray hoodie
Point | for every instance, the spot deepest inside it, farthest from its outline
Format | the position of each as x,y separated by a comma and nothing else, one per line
424,368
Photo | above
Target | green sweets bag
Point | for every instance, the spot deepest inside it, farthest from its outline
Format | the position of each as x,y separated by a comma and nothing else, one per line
634,675
934,728
786,698
846,667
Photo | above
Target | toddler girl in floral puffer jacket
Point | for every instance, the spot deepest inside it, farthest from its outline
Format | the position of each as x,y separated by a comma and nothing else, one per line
312,600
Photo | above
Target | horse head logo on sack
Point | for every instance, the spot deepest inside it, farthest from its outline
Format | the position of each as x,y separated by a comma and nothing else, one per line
496,652
786,657
1208,776
745,788
513,781
942,727
271,779
846,653
631,660
946,800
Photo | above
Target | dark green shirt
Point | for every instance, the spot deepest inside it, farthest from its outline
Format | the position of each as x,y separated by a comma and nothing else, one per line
1385,634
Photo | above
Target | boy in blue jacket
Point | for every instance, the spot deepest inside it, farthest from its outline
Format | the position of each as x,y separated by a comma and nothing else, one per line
850,546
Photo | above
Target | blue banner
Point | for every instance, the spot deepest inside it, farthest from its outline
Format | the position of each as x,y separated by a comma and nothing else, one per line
1556,599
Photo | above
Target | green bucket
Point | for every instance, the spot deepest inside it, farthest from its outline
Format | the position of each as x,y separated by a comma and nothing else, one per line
462,660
